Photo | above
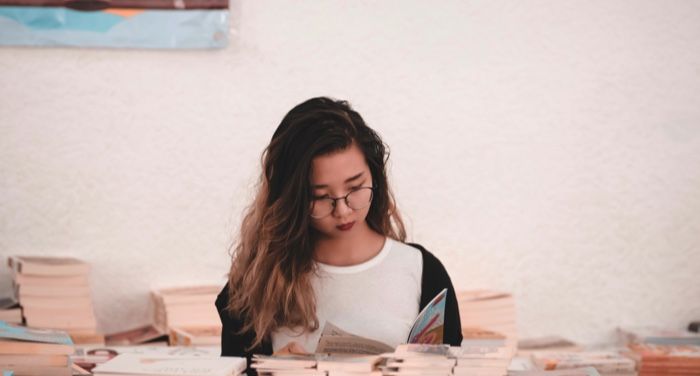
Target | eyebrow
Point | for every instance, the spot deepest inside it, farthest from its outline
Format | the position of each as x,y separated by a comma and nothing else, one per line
348,180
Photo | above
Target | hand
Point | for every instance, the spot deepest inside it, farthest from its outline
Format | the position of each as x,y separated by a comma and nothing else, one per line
292,348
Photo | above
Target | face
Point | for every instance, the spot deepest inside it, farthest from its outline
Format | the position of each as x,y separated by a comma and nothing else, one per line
335,175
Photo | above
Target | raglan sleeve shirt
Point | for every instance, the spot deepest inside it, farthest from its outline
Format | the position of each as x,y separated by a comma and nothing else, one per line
434,278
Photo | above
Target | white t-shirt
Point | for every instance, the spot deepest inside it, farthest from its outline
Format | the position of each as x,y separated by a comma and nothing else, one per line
377,299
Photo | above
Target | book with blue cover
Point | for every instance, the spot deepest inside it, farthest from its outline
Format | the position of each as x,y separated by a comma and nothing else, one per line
22,340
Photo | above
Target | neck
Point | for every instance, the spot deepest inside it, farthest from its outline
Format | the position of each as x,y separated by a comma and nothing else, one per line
353,249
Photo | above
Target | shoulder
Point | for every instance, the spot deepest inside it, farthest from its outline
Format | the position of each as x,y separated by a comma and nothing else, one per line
430,262
405,251
223,295
222,300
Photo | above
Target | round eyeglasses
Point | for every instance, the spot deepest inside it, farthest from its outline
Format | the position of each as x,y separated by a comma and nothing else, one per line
357,199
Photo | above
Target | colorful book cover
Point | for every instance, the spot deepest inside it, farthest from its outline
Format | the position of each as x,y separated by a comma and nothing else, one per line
430,323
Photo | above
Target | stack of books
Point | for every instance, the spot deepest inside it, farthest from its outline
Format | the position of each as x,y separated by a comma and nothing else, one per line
489,310
607,363
54,293
26,351
415,359
296,365
188,314
478,360
661,360
164,365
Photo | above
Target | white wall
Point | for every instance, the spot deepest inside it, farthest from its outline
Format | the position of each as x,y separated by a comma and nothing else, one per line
548,148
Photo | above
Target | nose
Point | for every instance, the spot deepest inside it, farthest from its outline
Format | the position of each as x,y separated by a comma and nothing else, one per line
341,209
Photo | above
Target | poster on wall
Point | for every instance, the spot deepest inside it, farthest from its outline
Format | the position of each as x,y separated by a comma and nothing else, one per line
160,24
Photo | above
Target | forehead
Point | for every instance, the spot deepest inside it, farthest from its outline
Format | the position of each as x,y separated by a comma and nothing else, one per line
335,168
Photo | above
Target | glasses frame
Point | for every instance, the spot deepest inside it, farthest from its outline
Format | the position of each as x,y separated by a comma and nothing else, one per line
344,198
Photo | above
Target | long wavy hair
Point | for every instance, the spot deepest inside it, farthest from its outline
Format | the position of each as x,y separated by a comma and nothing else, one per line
272,261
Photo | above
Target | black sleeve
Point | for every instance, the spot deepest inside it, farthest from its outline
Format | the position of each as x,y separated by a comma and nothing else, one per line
233,342
434,279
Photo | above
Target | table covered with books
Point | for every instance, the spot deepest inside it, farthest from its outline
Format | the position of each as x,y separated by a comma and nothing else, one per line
48,327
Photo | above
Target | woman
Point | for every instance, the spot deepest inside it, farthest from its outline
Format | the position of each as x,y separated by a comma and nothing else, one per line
323,242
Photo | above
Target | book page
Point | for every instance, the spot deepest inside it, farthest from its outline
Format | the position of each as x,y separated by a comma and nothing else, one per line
337,341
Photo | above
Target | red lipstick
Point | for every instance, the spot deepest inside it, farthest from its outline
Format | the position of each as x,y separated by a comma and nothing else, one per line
345,227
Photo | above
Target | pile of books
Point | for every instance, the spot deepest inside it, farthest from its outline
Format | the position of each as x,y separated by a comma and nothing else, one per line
489,310
419,360
54,293
415,359
188,315
26,351
661,360
607,363
169,365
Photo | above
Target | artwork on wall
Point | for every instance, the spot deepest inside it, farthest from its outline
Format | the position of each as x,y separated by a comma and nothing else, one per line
169,24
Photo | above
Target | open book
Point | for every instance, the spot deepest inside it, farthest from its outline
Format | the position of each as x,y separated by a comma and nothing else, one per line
428,328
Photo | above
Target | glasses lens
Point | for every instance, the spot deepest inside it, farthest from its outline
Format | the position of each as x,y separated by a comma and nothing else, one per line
321,207
360,198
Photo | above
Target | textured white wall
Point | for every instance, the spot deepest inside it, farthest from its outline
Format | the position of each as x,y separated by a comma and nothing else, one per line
549,148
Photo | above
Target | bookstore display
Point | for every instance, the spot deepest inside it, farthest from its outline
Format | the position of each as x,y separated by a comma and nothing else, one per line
48,327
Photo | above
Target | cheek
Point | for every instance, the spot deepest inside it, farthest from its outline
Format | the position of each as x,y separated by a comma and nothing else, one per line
320,224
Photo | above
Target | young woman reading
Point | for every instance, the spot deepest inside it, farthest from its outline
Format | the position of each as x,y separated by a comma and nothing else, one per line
323,242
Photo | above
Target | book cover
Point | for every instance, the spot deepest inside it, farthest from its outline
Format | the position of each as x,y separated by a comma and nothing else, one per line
430,323
20,333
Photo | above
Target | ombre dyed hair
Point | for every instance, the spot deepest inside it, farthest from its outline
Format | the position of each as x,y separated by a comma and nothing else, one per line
272,261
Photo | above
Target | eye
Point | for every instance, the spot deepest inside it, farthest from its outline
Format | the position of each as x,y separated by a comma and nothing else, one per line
321,197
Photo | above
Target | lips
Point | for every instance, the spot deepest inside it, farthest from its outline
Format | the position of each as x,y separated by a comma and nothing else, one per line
345,227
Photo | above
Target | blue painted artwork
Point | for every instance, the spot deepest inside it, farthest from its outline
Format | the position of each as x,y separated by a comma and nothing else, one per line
114,27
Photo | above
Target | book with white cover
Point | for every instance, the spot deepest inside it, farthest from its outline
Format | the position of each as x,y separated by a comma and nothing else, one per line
284,362
135,364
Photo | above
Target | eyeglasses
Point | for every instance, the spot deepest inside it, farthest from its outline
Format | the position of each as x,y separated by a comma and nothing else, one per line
356,199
